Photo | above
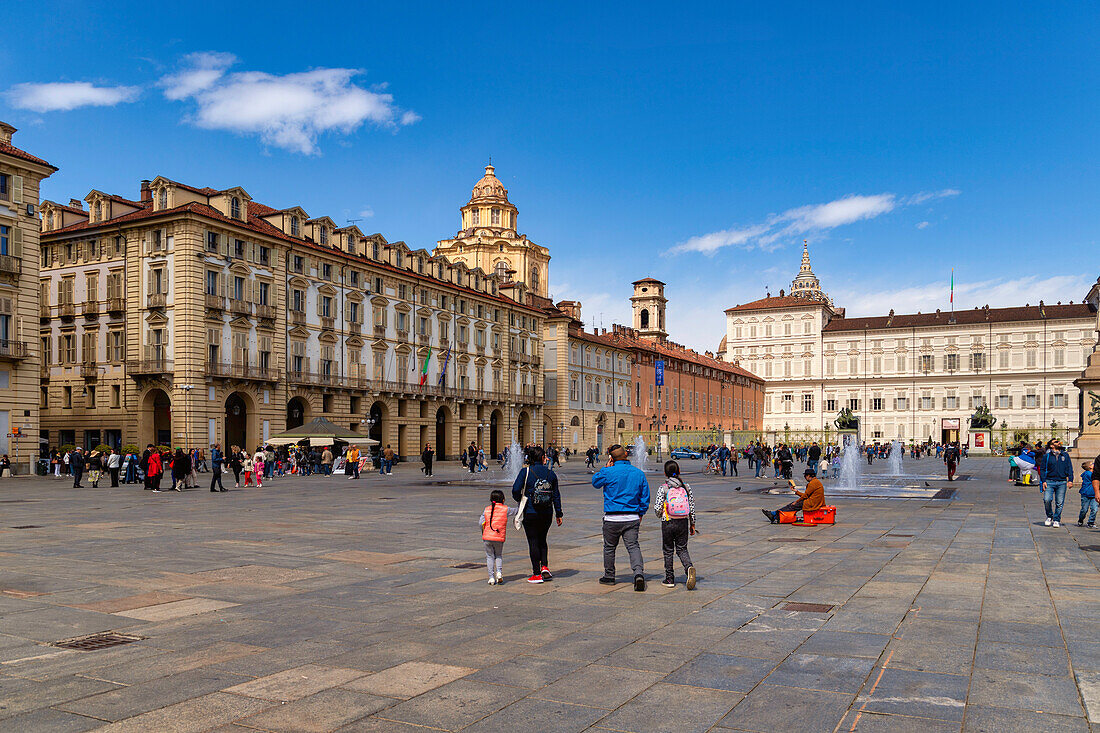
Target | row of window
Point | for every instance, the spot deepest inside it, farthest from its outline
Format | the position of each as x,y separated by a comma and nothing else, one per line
1004,400
89,395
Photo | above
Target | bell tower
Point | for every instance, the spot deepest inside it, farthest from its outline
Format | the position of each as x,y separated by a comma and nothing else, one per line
648,303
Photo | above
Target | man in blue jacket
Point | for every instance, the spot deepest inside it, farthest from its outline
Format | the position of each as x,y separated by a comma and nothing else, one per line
1057,472
625,502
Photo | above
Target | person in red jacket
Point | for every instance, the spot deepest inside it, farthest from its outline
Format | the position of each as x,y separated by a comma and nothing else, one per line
155,470
494,529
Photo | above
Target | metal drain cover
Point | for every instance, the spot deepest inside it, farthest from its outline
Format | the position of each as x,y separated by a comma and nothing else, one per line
102,640
808,607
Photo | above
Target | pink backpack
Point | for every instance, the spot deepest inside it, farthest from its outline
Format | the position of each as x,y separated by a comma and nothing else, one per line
676,502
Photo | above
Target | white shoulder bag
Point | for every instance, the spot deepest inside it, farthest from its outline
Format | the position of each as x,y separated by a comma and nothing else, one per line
522,501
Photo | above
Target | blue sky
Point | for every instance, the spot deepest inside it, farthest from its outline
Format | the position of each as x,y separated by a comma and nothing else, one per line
697,145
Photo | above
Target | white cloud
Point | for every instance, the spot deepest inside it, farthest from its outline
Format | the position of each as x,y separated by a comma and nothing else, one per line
996,293
803,220
65,96
366,213
201,71
926,196
923,225
288,111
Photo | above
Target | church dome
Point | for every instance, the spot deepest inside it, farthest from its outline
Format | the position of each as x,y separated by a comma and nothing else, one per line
489,188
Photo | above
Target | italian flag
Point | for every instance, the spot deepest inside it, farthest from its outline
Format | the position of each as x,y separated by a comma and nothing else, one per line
952,285
424,368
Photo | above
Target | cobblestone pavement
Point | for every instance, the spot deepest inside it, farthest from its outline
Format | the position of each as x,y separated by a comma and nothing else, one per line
317,604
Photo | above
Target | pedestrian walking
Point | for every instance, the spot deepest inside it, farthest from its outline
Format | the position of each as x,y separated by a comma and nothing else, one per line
154,470
76,466
181,470
494,529
387,460
114,465
1088,495
1057,473
259,465
95,468
216,461
951,459
426,457
674,505
536,491
625,501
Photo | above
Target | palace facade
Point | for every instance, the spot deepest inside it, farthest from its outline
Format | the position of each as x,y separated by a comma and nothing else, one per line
20,361
911,376
192,316
588,380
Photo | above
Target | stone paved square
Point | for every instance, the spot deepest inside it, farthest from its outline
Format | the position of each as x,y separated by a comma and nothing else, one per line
315,604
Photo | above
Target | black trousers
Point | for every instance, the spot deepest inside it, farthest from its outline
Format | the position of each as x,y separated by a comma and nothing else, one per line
216,477
114,476
536,526
428,467
674,539
794,506
78,473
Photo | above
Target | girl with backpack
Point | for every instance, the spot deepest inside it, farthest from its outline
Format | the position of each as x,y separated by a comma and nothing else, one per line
494,528
675,505
536,490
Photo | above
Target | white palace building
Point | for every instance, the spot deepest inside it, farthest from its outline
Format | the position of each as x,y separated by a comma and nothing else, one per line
914,376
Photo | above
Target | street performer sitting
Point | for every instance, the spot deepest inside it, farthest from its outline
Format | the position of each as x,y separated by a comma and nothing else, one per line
812,498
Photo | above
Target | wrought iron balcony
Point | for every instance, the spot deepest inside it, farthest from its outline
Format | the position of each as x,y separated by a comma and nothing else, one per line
10,265
12,350
156,300
265,311
116,305
214,302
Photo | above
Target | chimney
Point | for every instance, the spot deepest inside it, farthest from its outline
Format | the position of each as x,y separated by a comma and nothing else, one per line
6,132
76,204
146,191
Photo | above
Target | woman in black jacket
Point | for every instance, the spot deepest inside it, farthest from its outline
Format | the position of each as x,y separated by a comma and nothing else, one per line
540,485
235,464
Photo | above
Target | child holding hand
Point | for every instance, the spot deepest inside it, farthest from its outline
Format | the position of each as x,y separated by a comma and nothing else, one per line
494,528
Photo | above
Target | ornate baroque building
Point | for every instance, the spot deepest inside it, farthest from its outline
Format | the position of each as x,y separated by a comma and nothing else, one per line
488,239
913,376
192,316
20,176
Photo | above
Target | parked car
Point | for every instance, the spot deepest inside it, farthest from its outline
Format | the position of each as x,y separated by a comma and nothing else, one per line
686,453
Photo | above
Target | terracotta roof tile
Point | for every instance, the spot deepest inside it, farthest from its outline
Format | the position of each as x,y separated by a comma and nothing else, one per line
775,301
261,226
23,154
623,338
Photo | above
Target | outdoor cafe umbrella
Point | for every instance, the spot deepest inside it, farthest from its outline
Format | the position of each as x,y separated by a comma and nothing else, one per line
320,430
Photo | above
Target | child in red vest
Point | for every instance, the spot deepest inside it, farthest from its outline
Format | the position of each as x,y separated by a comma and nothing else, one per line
494,526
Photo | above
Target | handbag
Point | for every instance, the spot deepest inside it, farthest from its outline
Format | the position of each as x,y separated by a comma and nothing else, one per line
518,522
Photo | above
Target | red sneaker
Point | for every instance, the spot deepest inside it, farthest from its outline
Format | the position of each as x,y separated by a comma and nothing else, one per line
546,574
535,579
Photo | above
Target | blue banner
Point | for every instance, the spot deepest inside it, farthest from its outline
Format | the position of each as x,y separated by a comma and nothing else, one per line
659,372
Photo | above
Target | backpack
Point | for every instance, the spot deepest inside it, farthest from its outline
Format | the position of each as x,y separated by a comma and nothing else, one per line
541,494
677,505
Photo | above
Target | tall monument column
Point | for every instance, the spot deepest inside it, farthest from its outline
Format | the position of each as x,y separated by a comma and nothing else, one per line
1087,445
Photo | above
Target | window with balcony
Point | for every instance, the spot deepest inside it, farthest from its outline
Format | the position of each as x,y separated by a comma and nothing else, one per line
926,362
211,282
951,362
263,293
326,306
